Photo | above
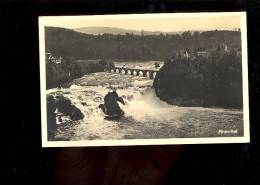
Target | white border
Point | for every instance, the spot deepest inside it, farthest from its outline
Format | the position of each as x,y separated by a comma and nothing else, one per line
245,139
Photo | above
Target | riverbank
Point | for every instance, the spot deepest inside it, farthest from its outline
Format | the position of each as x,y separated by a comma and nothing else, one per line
57,75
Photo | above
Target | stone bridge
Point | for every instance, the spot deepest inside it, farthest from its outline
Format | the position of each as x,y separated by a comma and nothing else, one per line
137,72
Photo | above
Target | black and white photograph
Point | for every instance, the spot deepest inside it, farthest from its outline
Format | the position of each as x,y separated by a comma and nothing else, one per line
144,79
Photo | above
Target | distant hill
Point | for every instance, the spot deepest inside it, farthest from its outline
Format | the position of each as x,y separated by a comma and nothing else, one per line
70,43
96,30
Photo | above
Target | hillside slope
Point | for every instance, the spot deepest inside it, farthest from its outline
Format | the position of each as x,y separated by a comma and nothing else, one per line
69,43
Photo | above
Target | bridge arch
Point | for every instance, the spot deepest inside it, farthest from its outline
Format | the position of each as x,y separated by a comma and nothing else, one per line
141,73
135,72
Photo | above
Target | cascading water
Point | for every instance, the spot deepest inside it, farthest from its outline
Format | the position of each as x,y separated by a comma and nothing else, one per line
146,116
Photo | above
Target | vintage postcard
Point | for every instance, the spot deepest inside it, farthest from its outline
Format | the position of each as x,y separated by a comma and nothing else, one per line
144,79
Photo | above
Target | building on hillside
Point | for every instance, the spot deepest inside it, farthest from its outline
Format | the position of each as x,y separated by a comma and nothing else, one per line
49,58
204,54
185,53
214,52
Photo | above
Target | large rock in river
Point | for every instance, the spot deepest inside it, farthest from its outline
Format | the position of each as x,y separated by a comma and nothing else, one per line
201,82
65,106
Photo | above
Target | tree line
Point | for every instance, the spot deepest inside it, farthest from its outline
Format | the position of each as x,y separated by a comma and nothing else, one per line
69,69
69,43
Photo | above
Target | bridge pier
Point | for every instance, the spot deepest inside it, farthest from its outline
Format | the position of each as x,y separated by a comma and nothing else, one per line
144,73
151,75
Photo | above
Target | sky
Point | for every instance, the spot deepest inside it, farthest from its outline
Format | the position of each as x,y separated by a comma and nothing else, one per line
150,22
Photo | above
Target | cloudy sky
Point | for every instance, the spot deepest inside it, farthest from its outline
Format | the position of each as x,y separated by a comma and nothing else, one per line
150,22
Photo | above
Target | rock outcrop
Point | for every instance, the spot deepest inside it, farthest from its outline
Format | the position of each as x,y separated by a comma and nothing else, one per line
204,82
65,107
60,104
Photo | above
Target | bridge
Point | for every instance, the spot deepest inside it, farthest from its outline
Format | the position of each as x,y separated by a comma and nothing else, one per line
136,72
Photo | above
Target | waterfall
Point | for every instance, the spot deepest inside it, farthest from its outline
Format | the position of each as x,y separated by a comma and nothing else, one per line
146,116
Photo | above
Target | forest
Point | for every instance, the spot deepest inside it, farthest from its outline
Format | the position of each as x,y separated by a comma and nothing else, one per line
69,43
59,74
207,82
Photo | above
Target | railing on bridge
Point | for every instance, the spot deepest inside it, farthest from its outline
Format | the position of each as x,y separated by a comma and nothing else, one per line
144,72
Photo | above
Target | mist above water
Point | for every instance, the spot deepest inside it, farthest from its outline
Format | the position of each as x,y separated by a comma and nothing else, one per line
146,116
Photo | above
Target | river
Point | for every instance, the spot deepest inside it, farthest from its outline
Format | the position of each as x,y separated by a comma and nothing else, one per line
146,116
